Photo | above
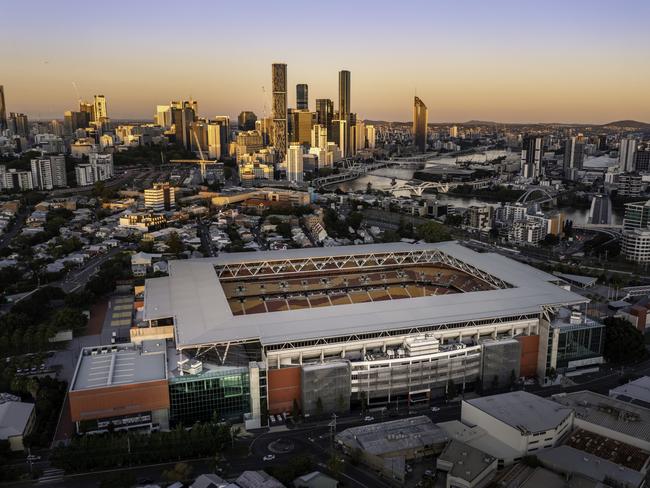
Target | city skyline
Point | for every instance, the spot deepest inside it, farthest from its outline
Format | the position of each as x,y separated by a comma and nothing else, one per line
510,63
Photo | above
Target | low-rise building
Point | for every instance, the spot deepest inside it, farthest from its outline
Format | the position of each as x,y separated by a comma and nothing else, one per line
570,462
387,446
525,422
609,417
143,222
466,466
16,421
636,392
120,387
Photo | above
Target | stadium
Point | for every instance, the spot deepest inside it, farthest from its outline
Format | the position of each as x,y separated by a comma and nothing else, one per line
323,327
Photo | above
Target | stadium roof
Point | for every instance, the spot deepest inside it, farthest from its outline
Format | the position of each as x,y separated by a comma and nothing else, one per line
192,294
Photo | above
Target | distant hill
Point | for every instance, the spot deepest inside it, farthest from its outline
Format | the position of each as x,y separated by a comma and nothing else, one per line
628,123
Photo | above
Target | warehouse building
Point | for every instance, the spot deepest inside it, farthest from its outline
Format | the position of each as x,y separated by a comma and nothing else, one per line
386,446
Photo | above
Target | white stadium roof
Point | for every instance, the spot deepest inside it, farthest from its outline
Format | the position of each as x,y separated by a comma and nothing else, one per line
193,296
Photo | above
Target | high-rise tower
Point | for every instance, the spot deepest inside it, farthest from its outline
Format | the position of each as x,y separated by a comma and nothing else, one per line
531,156
100,113
302,97
420,123
325,114
344,111
279,87
3,110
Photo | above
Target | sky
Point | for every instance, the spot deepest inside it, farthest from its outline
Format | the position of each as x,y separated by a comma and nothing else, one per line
580,61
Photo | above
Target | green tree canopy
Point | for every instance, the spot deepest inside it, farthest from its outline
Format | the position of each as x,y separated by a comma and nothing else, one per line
433,232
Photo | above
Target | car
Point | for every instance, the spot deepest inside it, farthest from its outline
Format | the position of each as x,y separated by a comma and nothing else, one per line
435,409
268,457
32,457
144,481
368,418
428,473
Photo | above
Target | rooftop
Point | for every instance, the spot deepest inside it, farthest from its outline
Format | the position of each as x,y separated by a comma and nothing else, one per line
478,438
522,410
566,459
636,392
609,413
467,461
394,436
193,293
122,364
14,417
615,451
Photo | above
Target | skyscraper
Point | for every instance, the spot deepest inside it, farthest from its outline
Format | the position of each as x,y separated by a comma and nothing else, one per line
295,162
301,122
344,111
302,97
627,154
3,110
19,124
325,114
99,106
531,157
279,82
420,123
573,156
246,120
344,94
87,110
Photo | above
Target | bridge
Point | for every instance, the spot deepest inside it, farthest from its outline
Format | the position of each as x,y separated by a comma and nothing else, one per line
417,188
547,195
352,168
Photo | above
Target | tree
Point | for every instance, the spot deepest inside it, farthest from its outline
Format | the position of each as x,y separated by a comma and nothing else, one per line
453,220
68,318
174,244
495,382
356,455
623,342
354,220
319,406
295,410
364,400
146,246
433,232
451,390
340,403
284,229
181,472
513,378
335,464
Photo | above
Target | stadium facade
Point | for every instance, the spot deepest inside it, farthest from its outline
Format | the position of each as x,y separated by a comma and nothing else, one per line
323,328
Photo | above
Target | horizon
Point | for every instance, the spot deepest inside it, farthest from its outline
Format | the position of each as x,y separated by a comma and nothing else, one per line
576,64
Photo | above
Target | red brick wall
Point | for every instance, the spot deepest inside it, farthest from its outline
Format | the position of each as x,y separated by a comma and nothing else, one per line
529,352
284,387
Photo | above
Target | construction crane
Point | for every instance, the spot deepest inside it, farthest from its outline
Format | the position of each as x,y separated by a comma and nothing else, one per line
202,162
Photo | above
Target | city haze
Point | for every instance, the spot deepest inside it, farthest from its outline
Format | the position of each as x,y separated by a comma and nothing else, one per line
576,62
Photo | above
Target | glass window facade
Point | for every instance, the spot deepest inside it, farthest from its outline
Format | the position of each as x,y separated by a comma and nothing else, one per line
224,392
579,343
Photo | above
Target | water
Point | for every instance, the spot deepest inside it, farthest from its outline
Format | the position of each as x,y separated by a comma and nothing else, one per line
381,179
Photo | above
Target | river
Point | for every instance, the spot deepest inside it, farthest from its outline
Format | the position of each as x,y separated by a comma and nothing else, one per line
381,179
